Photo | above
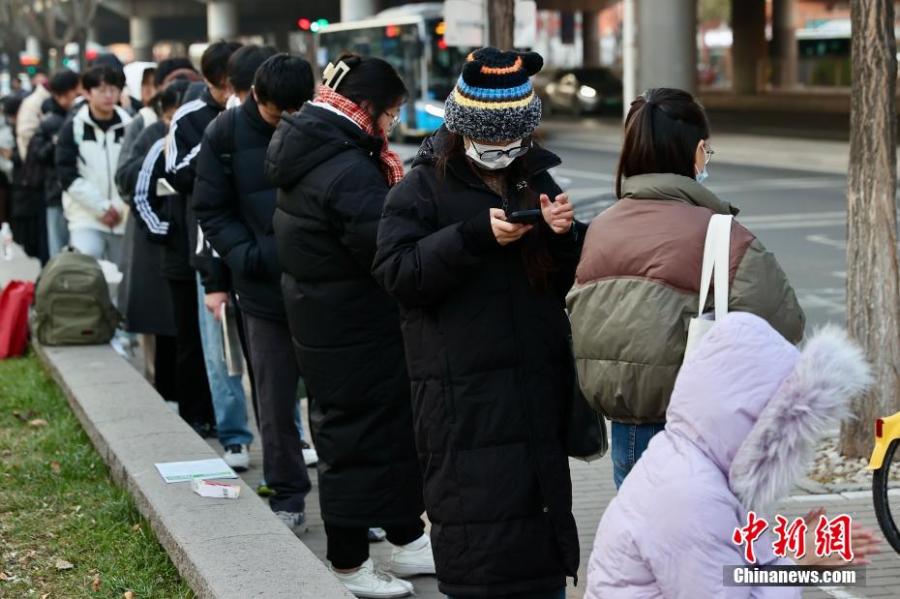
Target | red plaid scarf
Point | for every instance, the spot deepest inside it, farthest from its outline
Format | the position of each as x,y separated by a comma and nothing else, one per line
391,164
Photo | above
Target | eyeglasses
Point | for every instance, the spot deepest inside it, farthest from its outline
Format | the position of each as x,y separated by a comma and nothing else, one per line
707,152
493,155
395,120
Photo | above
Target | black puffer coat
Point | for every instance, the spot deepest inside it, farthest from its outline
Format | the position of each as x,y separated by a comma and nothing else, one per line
491,374
346,329
234,203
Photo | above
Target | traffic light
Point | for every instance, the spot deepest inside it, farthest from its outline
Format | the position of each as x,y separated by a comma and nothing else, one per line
30,63
307,24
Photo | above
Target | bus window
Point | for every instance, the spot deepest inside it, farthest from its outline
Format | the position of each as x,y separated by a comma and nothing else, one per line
446,63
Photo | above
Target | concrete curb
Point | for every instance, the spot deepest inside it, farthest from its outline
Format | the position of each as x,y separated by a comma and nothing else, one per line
224,549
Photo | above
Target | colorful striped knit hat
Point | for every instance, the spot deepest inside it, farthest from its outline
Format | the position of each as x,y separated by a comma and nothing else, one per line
493,99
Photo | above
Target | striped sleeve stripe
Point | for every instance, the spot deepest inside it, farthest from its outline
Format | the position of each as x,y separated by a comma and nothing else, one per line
171,147
187,159
142,190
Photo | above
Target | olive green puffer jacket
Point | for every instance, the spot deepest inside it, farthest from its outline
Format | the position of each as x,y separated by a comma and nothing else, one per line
637,286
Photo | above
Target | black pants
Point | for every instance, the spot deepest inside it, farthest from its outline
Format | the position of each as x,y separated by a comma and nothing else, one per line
191,385
348,548
165,367
245,350
275,376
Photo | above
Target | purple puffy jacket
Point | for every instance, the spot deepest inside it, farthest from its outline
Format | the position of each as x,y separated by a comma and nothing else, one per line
745,415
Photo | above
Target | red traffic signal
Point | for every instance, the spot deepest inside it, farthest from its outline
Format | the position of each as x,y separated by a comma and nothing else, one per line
304,23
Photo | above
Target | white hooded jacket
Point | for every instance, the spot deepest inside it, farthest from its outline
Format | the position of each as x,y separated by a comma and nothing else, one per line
86,159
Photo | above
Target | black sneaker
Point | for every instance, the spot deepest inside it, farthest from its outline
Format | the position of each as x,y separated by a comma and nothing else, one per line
205,429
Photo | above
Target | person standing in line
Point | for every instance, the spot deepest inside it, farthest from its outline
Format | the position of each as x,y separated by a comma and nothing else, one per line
484,322
242,67
65,89
638,281
746,414
30,111
144,299
333,168
234,204
229,399
87,152
169,222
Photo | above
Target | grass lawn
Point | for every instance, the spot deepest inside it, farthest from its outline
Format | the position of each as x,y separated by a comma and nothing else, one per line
66,530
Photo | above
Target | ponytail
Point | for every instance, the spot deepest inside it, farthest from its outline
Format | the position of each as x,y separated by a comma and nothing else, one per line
662,130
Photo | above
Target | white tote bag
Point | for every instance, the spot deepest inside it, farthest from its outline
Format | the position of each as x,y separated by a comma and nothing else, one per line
716,259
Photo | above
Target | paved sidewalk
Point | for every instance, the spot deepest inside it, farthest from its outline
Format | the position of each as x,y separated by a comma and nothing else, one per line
592,491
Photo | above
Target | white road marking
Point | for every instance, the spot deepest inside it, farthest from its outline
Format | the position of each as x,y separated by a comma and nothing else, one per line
829,299
825,240
840,593
792,216
571,172
781,183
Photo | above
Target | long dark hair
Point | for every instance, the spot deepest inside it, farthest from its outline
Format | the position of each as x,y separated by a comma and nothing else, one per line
662,130
539,264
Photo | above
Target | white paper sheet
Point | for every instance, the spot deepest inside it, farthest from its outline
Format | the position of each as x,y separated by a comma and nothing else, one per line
179,472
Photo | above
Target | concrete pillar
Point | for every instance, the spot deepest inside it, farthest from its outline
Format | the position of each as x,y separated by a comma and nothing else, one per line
660,47
140,31
354,10
629,54
748,49
784,44
221,20
590,38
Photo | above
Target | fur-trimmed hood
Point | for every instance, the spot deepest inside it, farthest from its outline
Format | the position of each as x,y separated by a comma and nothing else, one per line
747,410
757,406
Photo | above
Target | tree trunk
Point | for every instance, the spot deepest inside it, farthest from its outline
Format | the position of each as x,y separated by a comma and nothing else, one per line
873,282
501,23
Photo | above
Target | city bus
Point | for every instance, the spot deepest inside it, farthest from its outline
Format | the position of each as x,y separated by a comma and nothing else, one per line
411,38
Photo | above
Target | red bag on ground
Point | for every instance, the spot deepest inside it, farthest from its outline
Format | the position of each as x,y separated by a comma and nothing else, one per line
14,303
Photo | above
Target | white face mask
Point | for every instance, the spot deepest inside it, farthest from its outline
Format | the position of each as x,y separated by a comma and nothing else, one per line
494,158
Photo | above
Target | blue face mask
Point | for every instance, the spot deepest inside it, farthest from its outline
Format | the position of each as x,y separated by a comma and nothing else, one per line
702,175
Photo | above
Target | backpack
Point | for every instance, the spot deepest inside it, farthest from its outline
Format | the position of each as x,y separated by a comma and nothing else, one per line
72,302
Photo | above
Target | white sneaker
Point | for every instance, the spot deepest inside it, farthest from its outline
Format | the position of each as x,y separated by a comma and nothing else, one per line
237,456
310,457
413,559
370,583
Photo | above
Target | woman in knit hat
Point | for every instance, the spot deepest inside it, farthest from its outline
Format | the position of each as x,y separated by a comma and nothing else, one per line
481,286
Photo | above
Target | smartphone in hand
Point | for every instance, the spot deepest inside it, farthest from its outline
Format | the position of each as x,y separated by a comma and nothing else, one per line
524,217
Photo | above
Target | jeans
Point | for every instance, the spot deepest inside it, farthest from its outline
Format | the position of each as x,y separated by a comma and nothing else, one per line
229,401
348,548
628,443
276,375
99,244
558,594
57,230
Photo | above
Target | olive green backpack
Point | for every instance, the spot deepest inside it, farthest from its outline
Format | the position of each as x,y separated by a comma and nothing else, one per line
71,302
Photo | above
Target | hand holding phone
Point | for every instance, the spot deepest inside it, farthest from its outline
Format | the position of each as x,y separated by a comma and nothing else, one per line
526,217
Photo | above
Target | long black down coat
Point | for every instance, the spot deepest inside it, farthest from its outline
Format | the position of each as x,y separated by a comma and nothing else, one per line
346,329
491,374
